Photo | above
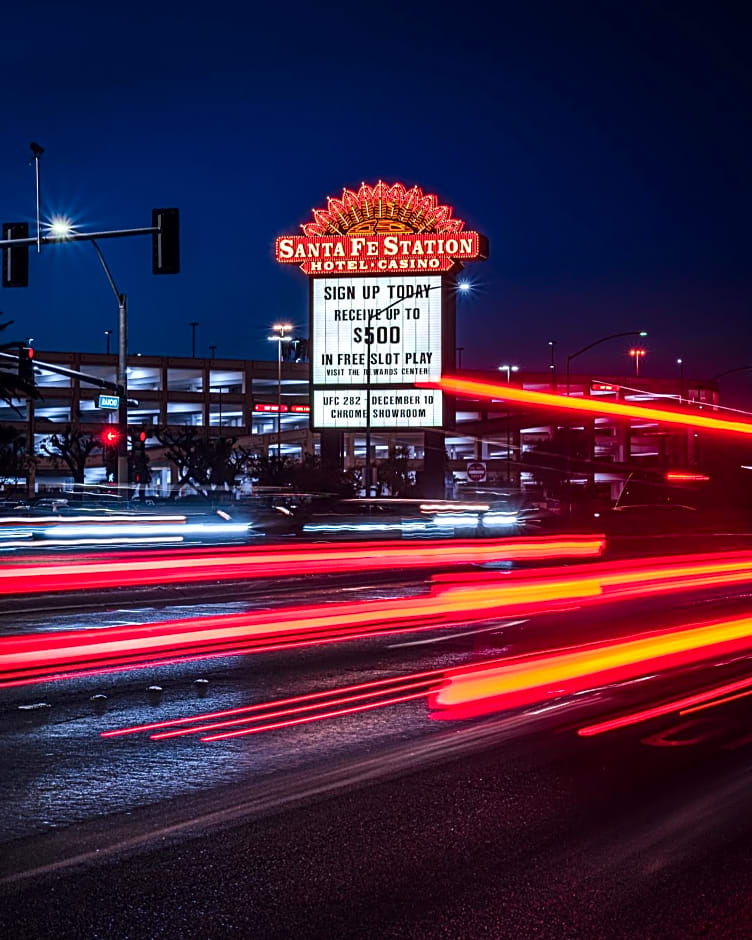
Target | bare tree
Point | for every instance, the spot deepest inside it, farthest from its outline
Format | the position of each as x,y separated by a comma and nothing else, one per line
73,448
14,461
205,463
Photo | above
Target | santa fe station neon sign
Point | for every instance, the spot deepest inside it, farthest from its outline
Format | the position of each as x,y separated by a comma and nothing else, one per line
381,262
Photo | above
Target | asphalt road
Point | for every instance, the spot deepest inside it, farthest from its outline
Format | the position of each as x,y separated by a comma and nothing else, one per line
537,834
383,823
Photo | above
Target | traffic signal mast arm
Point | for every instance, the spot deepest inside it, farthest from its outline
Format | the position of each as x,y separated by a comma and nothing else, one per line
164,230
78,237
70,373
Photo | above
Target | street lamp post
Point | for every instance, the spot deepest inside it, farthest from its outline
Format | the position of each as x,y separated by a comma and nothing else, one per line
552,366
509,370
597,342
279,338
685,440
193,324
637,353
108,334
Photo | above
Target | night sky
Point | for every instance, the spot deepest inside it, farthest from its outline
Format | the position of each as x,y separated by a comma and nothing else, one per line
603,148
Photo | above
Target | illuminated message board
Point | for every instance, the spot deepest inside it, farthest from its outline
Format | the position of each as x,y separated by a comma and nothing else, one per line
390,408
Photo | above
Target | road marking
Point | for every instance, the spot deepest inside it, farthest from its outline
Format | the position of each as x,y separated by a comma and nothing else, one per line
455,636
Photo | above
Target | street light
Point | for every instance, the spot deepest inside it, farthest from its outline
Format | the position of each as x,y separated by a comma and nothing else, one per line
193,324
597,342
108,334
637,353
279,338
552,366
509,370
680,363
60,226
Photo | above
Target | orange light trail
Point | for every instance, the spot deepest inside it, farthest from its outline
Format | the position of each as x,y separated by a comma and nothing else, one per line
594,406
540,677
149,568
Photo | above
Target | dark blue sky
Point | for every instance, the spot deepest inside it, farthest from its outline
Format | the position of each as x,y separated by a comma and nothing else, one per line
604,149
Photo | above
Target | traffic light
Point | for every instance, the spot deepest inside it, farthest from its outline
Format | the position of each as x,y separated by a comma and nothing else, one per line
165,243
138,462
26,364
15,257
110,436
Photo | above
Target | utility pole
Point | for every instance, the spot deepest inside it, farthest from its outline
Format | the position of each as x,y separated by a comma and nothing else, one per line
279,338
36,153
552,366
122,371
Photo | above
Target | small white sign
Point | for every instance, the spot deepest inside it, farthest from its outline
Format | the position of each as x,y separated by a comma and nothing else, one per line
390,408
109,401
476,471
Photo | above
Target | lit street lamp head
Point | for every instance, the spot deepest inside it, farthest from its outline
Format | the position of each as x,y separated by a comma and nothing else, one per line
60,227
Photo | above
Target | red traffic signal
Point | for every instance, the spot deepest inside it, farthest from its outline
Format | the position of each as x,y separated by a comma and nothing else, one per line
25,364
110,437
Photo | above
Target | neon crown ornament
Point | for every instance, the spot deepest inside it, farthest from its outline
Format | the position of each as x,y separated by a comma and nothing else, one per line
380,229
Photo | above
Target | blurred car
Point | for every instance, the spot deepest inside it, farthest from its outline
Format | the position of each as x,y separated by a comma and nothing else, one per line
651,519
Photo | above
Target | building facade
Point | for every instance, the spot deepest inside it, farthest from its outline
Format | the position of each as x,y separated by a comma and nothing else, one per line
242,398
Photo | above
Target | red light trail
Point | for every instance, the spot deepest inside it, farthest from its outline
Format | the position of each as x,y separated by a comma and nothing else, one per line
681,705
493,685
532,679
593,406
466,598
142,569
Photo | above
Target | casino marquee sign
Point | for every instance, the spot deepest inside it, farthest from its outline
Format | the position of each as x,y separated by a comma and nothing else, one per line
381,229
381,264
